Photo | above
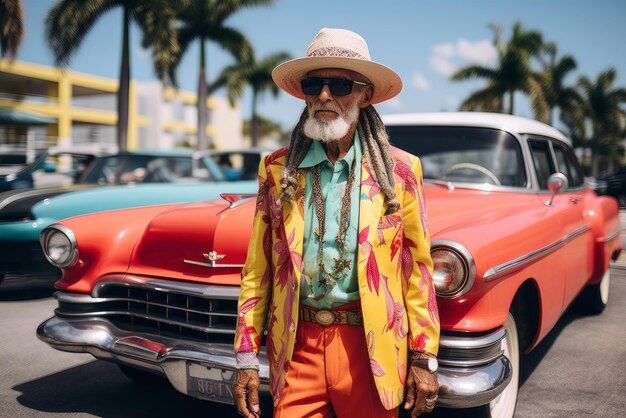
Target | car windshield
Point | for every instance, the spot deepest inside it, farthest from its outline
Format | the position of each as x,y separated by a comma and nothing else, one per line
463,154
130,168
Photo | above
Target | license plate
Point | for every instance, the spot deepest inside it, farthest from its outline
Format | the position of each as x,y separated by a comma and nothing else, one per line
212,384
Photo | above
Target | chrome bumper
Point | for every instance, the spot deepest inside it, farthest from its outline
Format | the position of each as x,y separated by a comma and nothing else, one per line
461,386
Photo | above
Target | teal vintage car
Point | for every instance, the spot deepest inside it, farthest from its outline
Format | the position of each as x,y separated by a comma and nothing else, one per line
122,180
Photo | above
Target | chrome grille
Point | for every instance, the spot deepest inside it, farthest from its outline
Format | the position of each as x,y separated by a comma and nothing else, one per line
181,311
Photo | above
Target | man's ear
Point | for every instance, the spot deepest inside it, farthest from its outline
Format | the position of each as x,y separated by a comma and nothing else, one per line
366,98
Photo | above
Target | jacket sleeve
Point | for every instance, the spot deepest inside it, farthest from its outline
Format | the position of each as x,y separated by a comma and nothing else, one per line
418,290
256,274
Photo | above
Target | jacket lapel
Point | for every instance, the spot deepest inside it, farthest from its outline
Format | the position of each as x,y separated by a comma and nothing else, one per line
292,218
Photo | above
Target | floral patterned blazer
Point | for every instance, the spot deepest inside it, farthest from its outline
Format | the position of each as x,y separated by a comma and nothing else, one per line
394,274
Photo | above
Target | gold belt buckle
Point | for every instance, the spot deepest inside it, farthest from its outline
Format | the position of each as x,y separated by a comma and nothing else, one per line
324,317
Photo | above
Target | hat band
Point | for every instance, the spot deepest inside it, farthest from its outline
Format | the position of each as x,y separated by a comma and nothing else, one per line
333,51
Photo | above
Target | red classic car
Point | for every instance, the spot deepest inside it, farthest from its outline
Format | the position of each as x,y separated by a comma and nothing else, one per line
516,238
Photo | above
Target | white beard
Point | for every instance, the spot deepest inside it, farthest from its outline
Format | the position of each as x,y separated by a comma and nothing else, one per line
330,130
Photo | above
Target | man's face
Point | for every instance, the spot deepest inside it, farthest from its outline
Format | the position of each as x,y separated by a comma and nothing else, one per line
332,117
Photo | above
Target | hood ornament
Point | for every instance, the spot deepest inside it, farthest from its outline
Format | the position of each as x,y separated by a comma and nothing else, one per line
213,257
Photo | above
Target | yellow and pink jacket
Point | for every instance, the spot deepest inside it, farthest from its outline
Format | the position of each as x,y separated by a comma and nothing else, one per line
394,273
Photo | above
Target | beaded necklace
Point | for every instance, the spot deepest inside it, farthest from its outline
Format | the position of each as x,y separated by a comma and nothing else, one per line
341,264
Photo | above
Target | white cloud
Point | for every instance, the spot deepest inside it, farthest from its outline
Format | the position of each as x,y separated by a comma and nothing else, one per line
482,52
445,50
421,82
442,65
448,57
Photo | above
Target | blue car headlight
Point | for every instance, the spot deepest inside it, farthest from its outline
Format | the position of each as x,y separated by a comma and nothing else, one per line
59,246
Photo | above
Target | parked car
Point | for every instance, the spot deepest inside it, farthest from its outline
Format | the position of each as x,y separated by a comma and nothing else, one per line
516,238
58,166
613,184
12,160
115,181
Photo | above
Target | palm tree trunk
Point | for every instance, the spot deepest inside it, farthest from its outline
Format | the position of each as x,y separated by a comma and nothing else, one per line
511,107
254,123
202,97
123,92
594,158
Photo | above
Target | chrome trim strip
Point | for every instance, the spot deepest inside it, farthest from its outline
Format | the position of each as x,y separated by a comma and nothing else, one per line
213,264
460,387
191,289
241,198
522,261
469,260
470,343
43,236
611,235
472,363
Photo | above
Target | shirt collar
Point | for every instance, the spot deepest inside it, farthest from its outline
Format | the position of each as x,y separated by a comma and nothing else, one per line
317,154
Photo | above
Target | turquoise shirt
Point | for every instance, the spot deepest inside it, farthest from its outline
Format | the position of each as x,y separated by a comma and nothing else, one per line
333,183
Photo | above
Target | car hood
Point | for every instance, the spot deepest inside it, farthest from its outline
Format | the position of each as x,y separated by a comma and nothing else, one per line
117,197
464,208
178,243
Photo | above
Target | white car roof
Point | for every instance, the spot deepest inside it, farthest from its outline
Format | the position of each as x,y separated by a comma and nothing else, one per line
510,123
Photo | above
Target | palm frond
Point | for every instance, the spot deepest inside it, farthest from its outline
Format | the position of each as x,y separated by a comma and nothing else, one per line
11,27
232,41
488,99
69,21
475,71
156,19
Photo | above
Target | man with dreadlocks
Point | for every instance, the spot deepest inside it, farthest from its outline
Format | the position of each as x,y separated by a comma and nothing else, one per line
338,266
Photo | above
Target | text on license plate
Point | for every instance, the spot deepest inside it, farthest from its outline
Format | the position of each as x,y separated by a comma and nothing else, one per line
210,383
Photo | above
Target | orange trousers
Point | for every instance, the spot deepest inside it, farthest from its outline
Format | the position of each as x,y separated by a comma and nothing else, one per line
329,375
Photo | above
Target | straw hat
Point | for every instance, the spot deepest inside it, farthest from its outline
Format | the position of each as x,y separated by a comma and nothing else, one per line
338,48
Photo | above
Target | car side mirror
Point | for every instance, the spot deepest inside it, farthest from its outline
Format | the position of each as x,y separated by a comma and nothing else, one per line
557,183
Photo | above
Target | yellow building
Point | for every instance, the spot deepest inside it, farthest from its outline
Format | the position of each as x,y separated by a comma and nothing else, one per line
49,106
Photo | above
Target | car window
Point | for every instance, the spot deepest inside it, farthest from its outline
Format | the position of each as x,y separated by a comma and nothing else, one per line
124,169
568,165
542,161
463,154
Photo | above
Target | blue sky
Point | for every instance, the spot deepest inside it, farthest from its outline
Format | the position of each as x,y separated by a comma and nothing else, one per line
422,40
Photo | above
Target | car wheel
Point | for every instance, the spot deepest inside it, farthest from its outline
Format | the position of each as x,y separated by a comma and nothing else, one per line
504,405
594,298
142,377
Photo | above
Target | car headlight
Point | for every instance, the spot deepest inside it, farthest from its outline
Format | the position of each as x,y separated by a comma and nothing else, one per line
454,270
59,245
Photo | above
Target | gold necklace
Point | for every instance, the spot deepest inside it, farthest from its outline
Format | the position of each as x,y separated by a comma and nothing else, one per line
341,264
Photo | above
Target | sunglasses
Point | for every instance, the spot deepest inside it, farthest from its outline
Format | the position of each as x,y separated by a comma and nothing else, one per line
312,86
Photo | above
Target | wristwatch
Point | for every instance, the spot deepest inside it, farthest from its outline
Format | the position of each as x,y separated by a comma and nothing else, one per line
431,364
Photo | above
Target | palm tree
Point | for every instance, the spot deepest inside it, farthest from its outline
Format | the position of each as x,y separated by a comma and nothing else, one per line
511,74
69,21
552,77
204,20
11,27
256,74
602,107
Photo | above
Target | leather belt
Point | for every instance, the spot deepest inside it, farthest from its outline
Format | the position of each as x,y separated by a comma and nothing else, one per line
326,317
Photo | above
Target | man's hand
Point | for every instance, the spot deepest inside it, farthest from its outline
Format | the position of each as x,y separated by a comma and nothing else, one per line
422,389
246,391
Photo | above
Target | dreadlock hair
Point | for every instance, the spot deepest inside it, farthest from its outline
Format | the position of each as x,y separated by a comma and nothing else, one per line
375,144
